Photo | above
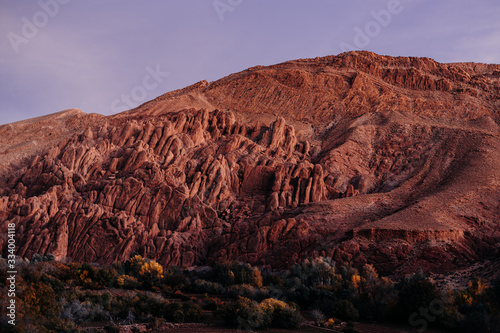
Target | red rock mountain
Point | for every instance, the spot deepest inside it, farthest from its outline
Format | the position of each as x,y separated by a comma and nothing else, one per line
359,157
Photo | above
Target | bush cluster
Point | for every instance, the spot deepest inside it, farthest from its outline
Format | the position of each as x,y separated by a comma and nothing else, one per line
249,315
61,297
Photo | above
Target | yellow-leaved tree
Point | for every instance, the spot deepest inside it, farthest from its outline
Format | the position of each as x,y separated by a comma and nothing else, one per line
151,274
136,263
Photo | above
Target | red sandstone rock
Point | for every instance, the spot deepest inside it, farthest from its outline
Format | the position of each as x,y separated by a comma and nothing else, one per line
390,161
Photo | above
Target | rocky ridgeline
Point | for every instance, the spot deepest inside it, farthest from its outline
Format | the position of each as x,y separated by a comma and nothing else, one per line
354,83
197,185
379,178
164,187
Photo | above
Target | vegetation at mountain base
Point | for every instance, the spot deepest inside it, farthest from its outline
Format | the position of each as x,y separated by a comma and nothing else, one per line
57,296
390,161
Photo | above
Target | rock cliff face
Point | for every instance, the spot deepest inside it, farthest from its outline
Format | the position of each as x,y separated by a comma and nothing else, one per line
362,158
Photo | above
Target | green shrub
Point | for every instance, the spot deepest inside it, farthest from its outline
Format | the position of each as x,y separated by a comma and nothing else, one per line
477,318
273,279
280,314
40,300
415,292
173,313
246,274
61,325
318,317
222,273
345,310
350,328
174,278
210,304
178,316
314,272
80,312
156,324
193,313
150,303
203,286
495,292
245,290
106,277
245,314
127,282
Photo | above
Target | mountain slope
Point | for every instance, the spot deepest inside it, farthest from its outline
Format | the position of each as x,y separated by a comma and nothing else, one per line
351,84
360,157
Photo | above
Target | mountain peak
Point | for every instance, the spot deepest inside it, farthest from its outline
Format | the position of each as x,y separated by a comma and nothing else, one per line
358,157
318,89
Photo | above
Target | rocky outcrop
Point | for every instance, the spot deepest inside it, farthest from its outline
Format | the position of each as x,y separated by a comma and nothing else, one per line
158,186
338,156
350,84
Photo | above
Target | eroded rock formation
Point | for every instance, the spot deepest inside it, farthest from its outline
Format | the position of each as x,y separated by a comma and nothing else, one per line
362,158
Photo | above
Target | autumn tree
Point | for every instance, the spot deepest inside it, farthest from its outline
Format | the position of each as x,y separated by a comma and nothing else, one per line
151,274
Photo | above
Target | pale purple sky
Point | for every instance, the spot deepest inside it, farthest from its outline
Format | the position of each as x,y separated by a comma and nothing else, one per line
106,56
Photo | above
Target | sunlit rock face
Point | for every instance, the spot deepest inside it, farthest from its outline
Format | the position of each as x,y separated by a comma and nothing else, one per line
358,157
